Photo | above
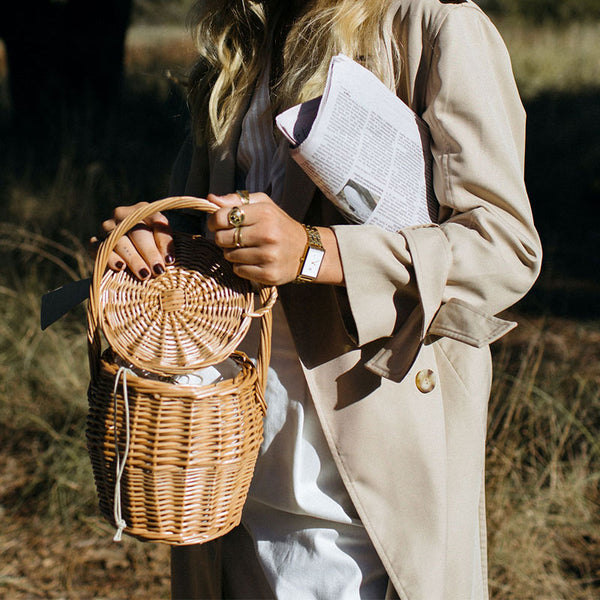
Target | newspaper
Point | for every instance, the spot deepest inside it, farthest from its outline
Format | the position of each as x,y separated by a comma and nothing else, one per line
364,148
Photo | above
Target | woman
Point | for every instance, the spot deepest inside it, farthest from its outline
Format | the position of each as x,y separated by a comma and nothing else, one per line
370,481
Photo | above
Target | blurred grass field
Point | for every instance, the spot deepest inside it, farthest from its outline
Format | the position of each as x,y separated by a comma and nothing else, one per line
543,450
553,57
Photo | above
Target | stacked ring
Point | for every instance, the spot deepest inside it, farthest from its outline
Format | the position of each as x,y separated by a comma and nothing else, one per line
244,196
237,237
236,216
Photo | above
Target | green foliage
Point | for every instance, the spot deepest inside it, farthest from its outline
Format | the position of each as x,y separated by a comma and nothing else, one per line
541,10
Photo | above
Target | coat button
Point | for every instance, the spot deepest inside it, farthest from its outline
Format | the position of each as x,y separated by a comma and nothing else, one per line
425,381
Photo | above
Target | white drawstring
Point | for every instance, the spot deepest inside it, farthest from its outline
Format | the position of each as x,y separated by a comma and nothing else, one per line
119,521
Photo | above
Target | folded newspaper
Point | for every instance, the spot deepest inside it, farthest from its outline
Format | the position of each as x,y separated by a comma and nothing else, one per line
364,148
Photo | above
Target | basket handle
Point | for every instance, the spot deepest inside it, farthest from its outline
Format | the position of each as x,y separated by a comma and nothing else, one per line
268,295
133,219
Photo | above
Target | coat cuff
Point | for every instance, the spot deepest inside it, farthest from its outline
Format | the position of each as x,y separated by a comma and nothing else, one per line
431,259
380,283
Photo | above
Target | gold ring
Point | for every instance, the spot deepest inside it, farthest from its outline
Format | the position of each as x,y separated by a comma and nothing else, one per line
244,196
237,237
236,216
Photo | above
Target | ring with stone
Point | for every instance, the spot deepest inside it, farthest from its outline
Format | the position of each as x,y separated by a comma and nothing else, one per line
237,237
236,216
244,196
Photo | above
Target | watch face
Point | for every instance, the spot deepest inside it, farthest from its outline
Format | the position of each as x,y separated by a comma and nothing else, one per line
312,262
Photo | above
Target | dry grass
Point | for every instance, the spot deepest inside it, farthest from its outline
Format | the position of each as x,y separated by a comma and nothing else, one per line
52,542
544,463
151,45
553,57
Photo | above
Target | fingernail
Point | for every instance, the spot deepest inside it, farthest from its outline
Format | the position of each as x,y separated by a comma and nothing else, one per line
144,274
158,269
120,265
169,259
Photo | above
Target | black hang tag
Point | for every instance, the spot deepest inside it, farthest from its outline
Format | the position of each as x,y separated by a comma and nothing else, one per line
59,302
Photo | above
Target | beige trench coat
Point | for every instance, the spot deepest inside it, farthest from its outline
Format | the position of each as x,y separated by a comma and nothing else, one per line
401,379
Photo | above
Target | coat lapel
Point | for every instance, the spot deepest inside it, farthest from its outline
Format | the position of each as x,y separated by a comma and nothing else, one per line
298,190
222,167
213,170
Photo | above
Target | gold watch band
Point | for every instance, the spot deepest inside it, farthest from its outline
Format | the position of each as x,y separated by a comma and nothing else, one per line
314,237
314,251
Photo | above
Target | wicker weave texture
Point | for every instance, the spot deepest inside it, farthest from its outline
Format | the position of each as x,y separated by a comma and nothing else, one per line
194,314
191,457
191,449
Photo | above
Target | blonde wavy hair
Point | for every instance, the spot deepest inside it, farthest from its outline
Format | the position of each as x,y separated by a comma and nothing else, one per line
235,37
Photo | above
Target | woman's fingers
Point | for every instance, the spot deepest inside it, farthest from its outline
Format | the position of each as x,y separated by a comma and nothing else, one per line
256,263
260,207
261,241
163,237
230,200
125,253
145,244
146,249
159,224
219,219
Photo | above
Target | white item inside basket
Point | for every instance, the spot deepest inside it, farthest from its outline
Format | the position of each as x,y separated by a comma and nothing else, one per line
227,369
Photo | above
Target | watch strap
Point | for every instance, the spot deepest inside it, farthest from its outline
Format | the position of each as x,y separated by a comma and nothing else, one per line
313,240
313,237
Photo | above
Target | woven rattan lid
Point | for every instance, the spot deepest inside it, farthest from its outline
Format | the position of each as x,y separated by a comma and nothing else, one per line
193,315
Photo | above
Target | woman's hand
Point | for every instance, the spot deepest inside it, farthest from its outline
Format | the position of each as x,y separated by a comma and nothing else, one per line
269,243
146,249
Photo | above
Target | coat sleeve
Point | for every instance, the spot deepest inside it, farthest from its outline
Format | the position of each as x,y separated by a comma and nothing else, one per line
485,253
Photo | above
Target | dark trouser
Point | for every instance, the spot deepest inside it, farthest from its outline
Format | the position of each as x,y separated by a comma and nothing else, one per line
213,571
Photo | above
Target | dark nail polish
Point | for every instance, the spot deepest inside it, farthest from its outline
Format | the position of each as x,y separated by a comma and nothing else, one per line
120,265
144,274
158,269
169,259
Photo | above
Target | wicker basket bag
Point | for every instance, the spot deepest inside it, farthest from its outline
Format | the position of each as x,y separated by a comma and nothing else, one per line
173,463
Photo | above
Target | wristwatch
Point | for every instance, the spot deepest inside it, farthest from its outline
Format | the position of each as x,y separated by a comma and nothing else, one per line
311,259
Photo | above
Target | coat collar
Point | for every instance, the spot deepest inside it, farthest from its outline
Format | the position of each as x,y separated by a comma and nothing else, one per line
221,159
